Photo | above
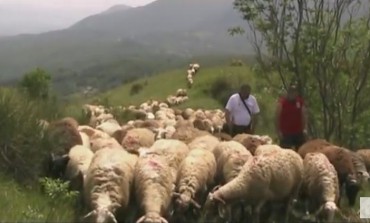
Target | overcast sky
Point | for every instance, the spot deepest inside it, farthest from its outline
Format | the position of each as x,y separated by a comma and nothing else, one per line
35,16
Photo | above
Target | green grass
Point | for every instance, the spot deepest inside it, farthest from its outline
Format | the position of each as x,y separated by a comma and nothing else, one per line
160,86
19,204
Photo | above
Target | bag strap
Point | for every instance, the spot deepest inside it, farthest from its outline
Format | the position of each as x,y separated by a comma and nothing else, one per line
249,111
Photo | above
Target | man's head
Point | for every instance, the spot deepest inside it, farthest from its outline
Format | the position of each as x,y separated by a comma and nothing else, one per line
245,91
292,92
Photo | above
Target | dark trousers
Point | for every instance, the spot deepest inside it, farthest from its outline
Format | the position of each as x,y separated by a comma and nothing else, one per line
293,141
237,129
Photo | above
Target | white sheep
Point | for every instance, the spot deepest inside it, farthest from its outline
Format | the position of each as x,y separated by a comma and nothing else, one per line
195,176
98,143
109,127
320,186
173,151
153,188
208,142
136,138
268,178
79,161
108,183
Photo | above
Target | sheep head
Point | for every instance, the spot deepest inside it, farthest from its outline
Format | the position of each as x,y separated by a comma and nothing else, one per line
184,200
152,217
102,215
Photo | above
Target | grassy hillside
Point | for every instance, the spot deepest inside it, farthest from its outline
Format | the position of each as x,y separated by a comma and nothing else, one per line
211,88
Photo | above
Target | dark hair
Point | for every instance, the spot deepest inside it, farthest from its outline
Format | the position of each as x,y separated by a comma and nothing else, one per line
244,87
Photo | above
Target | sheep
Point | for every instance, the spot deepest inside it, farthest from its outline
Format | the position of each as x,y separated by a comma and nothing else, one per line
101,143
266,149
153,188
352,190
195,176
365,154
85,139
341,159
251,142
109,127
108,183
79,161
181,92
173,151
136,138
88,130
267,178
187,133
230,158
63,135
208,142
320,186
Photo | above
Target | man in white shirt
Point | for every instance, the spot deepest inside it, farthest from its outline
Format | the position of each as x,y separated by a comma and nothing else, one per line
241,117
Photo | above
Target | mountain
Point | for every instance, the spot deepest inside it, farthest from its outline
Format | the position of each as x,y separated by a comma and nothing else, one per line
165,28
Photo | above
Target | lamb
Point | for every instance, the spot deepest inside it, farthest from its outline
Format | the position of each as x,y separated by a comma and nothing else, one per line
173,151
136,138
208,142
267,178
195,176
320,186
108,183
79,161
153,188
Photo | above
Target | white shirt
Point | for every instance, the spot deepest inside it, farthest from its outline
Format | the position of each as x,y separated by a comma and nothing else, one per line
239,114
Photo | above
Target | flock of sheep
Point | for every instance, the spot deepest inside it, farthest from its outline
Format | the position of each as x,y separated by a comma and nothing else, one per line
172,165
191,72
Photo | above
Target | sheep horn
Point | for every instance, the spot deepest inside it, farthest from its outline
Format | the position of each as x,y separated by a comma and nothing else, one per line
90,213
141,219
111,215
196,204
163,220
216,188
218,199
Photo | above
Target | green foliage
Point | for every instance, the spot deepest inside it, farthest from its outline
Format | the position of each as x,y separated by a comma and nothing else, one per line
57,191
221,89
22,147
20,204
326,49
37,84
136,88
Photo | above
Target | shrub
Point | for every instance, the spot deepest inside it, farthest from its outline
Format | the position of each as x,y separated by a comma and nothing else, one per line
22,148
221,89
136,88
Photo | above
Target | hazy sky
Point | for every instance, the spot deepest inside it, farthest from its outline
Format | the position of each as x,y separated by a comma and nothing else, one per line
34,16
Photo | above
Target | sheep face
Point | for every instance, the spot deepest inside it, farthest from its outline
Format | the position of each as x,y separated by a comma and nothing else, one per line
102,215
152,217
57,166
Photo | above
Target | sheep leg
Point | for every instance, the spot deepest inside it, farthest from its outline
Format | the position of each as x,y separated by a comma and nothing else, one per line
256,212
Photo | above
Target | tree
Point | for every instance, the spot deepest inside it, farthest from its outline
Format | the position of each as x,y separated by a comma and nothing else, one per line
37,84
324,46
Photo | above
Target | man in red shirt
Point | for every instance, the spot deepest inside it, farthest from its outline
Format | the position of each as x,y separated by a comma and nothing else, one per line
291,119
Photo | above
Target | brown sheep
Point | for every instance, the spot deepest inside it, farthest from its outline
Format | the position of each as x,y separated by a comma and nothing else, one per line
136,138
63,135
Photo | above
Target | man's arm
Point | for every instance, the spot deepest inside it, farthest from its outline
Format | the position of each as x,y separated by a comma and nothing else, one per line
228,110
277,119
304,118
255,113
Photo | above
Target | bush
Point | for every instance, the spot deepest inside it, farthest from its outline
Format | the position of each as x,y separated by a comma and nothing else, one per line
221,89
22,148
136,88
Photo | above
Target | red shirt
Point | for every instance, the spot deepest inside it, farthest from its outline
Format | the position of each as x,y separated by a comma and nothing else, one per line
291,116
